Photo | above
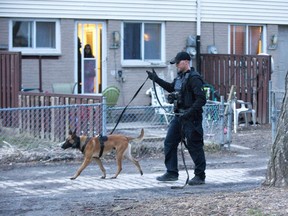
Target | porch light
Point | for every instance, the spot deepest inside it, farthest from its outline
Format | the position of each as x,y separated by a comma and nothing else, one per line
115,39
274,42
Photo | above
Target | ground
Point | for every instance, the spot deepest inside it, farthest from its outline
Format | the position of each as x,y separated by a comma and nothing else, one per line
258,201
252,147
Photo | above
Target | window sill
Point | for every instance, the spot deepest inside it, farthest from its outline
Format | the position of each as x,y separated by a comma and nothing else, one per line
144,64
35,52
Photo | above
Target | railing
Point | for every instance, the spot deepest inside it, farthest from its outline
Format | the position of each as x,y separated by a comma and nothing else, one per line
31,99
41,127
45,115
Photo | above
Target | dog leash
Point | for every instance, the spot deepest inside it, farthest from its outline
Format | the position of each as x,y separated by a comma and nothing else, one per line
136,93
154,87
183,143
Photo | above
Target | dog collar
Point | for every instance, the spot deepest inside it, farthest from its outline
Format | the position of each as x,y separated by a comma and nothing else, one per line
84,146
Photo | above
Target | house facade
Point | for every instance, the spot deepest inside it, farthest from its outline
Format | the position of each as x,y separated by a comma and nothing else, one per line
102,43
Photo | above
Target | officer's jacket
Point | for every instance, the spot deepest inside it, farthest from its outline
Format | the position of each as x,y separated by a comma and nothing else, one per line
190,87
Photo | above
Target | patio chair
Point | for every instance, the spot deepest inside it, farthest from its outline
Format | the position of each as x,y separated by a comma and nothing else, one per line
245,108
154,103
112,94
63,88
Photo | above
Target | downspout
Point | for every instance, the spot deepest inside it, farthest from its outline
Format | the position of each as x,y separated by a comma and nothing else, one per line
198,24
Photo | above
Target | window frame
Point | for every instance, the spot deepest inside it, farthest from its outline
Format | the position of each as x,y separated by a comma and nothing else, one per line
142,62
33,50
264,37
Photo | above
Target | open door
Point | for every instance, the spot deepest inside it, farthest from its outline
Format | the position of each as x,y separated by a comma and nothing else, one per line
90,55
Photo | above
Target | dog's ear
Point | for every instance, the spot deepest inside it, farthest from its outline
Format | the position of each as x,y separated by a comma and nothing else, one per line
70,132
74,133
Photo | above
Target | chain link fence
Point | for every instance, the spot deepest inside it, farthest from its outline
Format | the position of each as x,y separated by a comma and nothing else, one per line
44,127
217,123
275,104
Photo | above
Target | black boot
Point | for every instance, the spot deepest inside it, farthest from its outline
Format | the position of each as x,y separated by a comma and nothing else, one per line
196,180
167,177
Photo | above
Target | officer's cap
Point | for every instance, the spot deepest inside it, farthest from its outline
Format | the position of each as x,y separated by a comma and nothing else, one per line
179,57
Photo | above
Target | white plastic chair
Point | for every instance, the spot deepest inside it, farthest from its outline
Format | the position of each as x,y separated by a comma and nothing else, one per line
154,102
63,88
245,108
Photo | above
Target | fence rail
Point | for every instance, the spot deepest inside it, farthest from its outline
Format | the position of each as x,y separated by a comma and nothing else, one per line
28,126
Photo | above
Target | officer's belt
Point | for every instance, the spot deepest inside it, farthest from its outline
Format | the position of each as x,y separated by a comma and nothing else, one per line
182,110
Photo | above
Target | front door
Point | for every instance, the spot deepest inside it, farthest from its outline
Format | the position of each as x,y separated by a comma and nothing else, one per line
90,56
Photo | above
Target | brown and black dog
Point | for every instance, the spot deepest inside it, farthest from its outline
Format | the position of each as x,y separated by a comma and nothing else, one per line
91,148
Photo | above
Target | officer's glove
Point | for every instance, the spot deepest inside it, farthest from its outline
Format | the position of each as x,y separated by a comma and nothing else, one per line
152,75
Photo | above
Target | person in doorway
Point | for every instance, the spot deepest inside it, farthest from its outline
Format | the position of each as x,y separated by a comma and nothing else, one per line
188,96
89,69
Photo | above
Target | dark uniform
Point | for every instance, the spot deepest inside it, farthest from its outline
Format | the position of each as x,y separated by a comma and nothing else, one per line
188,87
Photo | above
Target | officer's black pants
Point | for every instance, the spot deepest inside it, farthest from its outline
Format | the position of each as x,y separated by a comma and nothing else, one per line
193,132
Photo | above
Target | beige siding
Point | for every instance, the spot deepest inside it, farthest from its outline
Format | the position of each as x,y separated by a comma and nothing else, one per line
224,11
181,10
245,11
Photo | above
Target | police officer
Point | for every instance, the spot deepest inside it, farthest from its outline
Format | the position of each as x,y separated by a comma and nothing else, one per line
187,90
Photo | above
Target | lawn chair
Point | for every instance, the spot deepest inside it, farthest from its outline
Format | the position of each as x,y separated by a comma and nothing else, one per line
245,108
63,88
157,107
111,94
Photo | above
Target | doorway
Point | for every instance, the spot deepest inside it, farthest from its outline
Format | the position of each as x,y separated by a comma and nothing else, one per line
90,57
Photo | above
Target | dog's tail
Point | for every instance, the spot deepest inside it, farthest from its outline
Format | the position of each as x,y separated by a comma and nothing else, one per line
137,139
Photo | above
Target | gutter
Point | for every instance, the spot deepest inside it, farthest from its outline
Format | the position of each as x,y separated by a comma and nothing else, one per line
198,24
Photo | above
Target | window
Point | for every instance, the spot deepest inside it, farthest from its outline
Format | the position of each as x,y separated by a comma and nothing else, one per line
143,43
35,37
246,39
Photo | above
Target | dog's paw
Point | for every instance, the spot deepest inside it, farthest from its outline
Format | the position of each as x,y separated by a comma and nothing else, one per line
114,177
73,178
103,177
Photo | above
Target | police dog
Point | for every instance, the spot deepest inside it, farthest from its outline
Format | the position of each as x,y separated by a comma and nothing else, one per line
91,148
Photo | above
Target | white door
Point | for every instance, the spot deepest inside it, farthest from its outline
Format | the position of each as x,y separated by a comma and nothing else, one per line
90,57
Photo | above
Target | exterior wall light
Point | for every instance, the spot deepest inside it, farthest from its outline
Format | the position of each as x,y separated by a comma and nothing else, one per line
115,40
274,42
